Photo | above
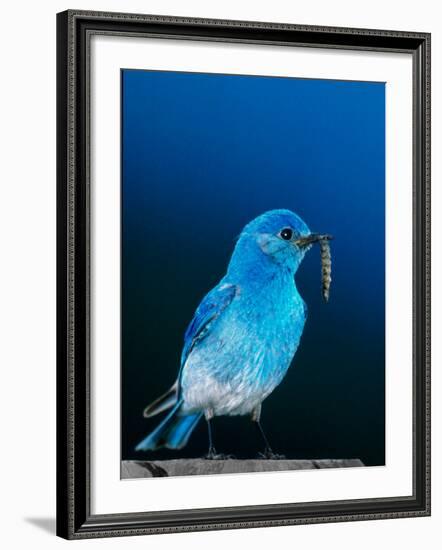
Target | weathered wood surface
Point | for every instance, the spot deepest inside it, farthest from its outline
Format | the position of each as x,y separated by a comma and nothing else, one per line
199,466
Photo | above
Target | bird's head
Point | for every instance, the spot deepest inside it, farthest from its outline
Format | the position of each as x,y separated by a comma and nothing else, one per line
277,238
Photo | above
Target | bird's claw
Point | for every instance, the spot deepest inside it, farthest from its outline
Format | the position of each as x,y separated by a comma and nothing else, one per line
213,455
268,454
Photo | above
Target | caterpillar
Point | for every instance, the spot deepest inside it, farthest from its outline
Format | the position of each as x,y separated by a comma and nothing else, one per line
324,245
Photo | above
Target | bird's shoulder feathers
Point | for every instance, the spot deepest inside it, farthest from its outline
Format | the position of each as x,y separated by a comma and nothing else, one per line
211,308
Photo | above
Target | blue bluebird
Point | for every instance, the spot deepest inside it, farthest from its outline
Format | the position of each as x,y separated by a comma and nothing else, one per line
243,336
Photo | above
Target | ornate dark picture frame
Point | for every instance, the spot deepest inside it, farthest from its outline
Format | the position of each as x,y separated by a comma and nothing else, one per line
74,518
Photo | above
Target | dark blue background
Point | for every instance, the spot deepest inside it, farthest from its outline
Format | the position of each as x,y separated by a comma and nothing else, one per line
203,155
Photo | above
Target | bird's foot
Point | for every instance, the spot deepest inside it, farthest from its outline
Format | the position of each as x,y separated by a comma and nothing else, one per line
268,454
213,455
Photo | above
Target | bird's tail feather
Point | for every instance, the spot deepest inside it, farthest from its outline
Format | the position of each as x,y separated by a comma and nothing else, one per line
163,402
173,432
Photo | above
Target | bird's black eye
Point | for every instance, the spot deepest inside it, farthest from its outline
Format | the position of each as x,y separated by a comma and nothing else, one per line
286,234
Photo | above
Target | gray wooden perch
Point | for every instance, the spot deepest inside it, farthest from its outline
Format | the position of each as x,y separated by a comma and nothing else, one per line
198,466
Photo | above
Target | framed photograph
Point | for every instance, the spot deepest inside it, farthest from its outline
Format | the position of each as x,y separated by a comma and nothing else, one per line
243,274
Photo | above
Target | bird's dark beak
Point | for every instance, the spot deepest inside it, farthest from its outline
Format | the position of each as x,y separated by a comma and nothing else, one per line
311,239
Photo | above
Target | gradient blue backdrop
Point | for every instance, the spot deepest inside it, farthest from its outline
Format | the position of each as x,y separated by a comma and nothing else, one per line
203,155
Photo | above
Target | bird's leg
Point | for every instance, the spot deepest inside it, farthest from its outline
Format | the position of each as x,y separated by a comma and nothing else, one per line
212,454
268,452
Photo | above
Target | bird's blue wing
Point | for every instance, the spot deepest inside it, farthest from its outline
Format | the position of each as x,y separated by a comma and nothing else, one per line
210,308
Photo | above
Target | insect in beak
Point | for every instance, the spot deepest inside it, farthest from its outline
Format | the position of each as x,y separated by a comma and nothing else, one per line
323,241
311,239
